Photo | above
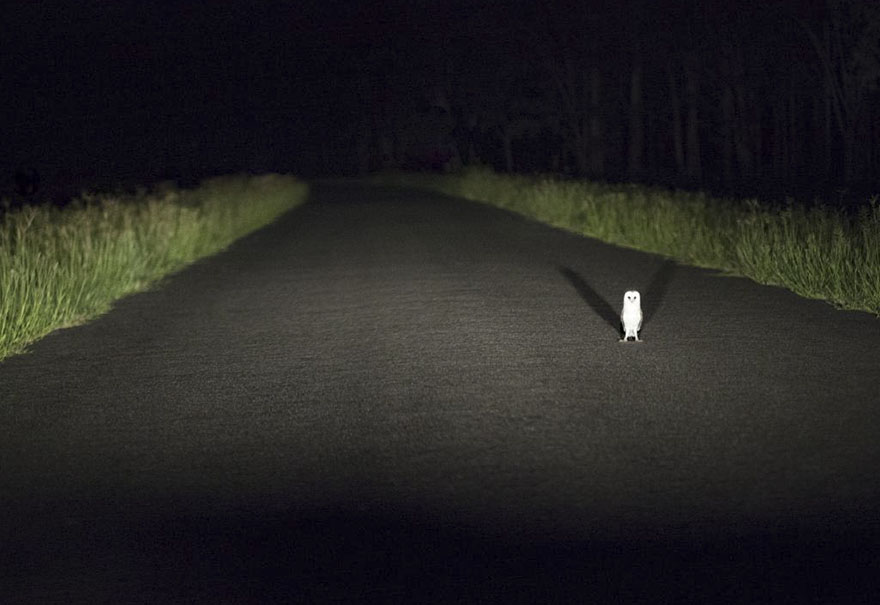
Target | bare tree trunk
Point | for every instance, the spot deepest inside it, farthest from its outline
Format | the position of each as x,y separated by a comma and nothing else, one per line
651,144
473,156
757,140
574,112
742,130
850,149
597,145
792,138
827,149
868,155
728,128
507,144
636,120
694,154
778,141
829,138
847,53
581,156
677,136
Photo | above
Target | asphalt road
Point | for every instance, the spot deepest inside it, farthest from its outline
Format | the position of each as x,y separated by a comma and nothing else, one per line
390,396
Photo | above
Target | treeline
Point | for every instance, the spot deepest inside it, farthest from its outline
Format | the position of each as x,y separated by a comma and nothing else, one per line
769,97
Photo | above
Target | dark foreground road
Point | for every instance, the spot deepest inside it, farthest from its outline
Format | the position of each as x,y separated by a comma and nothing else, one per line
392,396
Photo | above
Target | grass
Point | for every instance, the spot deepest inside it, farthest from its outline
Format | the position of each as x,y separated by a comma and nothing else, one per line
817,252
60,268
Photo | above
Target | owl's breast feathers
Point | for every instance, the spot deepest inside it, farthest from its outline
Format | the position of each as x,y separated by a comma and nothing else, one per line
632,315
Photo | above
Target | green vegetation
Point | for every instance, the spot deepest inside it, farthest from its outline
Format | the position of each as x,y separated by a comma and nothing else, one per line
60,268
816,252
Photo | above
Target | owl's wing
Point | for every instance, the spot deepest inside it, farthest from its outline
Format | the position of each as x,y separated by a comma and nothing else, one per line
640,319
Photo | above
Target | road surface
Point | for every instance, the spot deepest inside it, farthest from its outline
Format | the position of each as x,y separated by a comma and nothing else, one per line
393,396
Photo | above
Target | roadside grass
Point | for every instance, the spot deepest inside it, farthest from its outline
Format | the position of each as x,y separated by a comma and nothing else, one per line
63,267
817,252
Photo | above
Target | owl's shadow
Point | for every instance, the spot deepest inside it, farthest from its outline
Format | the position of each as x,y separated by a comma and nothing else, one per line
652,296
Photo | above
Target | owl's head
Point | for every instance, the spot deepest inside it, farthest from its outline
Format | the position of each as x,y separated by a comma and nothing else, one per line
632,297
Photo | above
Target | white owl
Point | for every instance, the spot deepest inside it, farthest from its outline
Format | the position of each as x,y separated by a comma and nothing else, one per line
631,315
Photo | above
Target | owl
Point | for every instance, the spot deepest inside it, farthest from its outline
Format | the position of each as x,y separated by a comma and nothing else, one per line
631,315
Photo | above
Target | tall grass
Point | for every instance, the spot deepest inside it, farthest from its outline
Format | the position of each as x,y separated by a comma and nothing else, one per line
816,252
62,267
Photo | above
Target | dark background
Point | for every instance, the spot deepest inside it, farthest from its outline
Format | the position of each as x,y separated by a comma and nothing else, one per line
750,98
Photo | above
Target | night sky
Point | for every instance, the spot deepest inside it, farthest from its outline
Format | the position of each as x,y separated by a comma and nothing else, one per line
96,91
137,89
134,88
